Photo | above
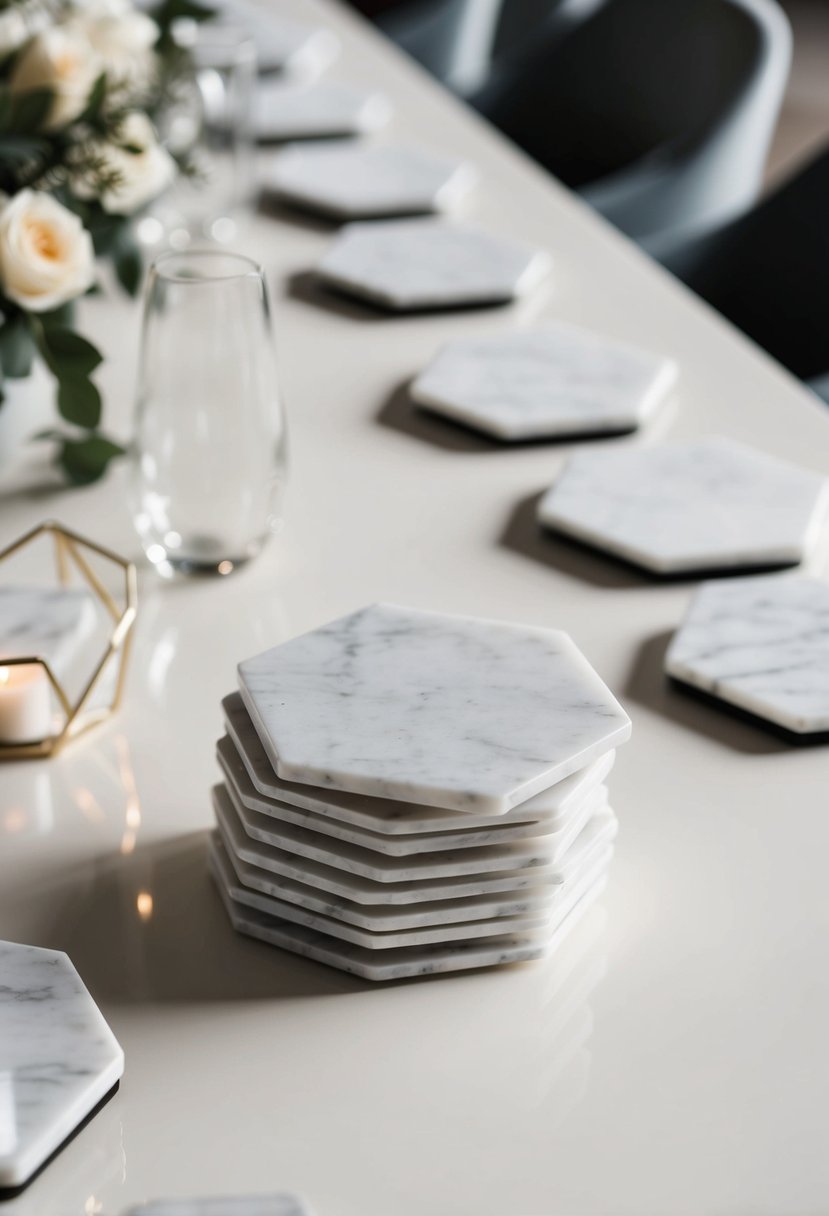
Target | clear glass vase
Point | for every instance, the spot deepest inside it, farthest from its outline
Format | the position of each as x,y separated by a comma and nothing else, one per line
206,123
210,445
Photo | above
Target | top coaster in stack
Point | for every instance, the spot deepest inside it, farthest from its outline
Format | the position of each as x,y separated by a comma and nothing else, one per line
407,792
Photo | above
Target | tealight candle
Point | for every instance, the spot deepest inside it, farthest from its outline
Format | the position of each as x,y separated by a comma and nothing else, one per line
25,704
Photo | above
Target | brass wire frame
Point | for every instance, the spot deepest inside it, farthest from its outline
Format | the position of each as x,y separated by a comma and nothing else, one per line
77,718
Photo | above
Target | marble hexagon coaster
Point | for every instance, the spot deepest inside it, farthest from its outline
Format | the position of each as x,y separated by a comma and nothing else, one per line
349,181
680,508
501,830
531,853
762,645
406,265
242,1205
358,888
326,109
58,1058
465,714
408,961
544,383
551,810
294,48
240,892
51,622
377,917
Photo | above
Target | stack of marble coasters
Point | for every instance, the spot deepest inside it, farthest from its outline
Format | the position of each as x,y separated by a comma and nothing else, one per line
407,793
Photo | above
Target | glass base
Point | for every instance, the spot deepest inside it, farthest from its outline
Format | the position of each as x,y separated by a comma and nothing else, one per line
203,557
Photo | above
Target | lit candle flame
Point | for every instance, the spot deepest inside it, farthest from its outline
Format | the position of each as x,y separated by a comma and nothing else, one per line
144,905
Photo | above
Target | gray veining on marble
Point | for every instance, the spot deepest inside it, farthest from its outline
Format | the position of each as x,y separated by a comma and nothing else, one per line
361,888
285,111
552,808
701,505
503,831
53,622
349,181
761,644
240,1205
456,712
406,961
412,264
544,383
58,1057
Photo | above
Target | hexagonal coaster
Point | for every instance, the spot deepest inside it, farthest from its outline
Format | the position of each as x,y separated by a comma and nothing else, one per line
532,853
53,622
240,893
552,810
356,181
363,890
544,383
299,50
503,831
406,265
406,961
680,508
283,111
377,917
761,645
246,1205
58,1058
456,712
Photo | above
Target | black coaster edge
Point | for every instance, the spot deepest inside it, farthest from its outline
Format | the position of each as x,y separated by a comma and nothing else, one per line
793,737
11,1192
700,573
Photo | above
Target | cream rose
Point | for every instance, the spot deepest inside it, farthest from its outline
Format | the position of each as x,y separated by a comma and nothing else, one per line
61,59
46,254
138,176
13,30
121,38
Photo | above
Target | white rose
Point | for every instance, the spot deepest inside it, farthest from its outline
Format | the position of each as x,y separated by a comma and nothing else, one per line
46,254
140,176
60,59
13,30
121,38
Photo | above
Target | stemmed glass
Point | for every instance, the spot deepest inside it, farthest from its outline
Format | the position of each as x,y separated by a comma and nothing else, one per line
210,446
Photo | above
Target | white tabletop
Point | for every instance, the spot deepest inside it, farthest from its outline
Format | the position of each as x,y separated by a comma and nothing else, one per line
672,1058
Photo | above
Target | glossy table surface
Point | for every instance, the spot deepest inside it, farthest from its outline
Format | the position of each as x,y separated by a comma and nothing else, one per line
673,1057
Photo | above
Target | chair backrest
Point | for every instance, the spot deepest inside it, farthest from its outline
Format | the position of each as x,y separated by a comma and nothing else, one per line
694,83
453,39
522,22
768,271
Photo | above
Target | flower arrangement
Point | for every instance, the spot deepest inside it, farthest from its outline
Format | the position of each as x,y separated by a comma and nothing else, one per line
81,82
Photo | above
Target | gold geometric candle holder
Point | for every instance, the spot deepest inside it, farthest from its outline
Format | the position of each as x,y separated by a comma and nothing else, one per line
78,716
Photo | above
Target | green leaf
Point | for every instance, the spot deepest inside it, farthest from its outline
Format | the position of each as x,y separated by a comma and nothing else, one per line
17,348
30,110
129,266
5,105
79,402
68,355
62,316
20,148
86,460
95,101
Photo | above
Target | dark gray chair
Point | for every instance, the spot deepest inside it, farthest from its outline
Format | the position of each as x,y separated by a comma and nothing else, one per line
659,112
768,272
459,41
452,39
